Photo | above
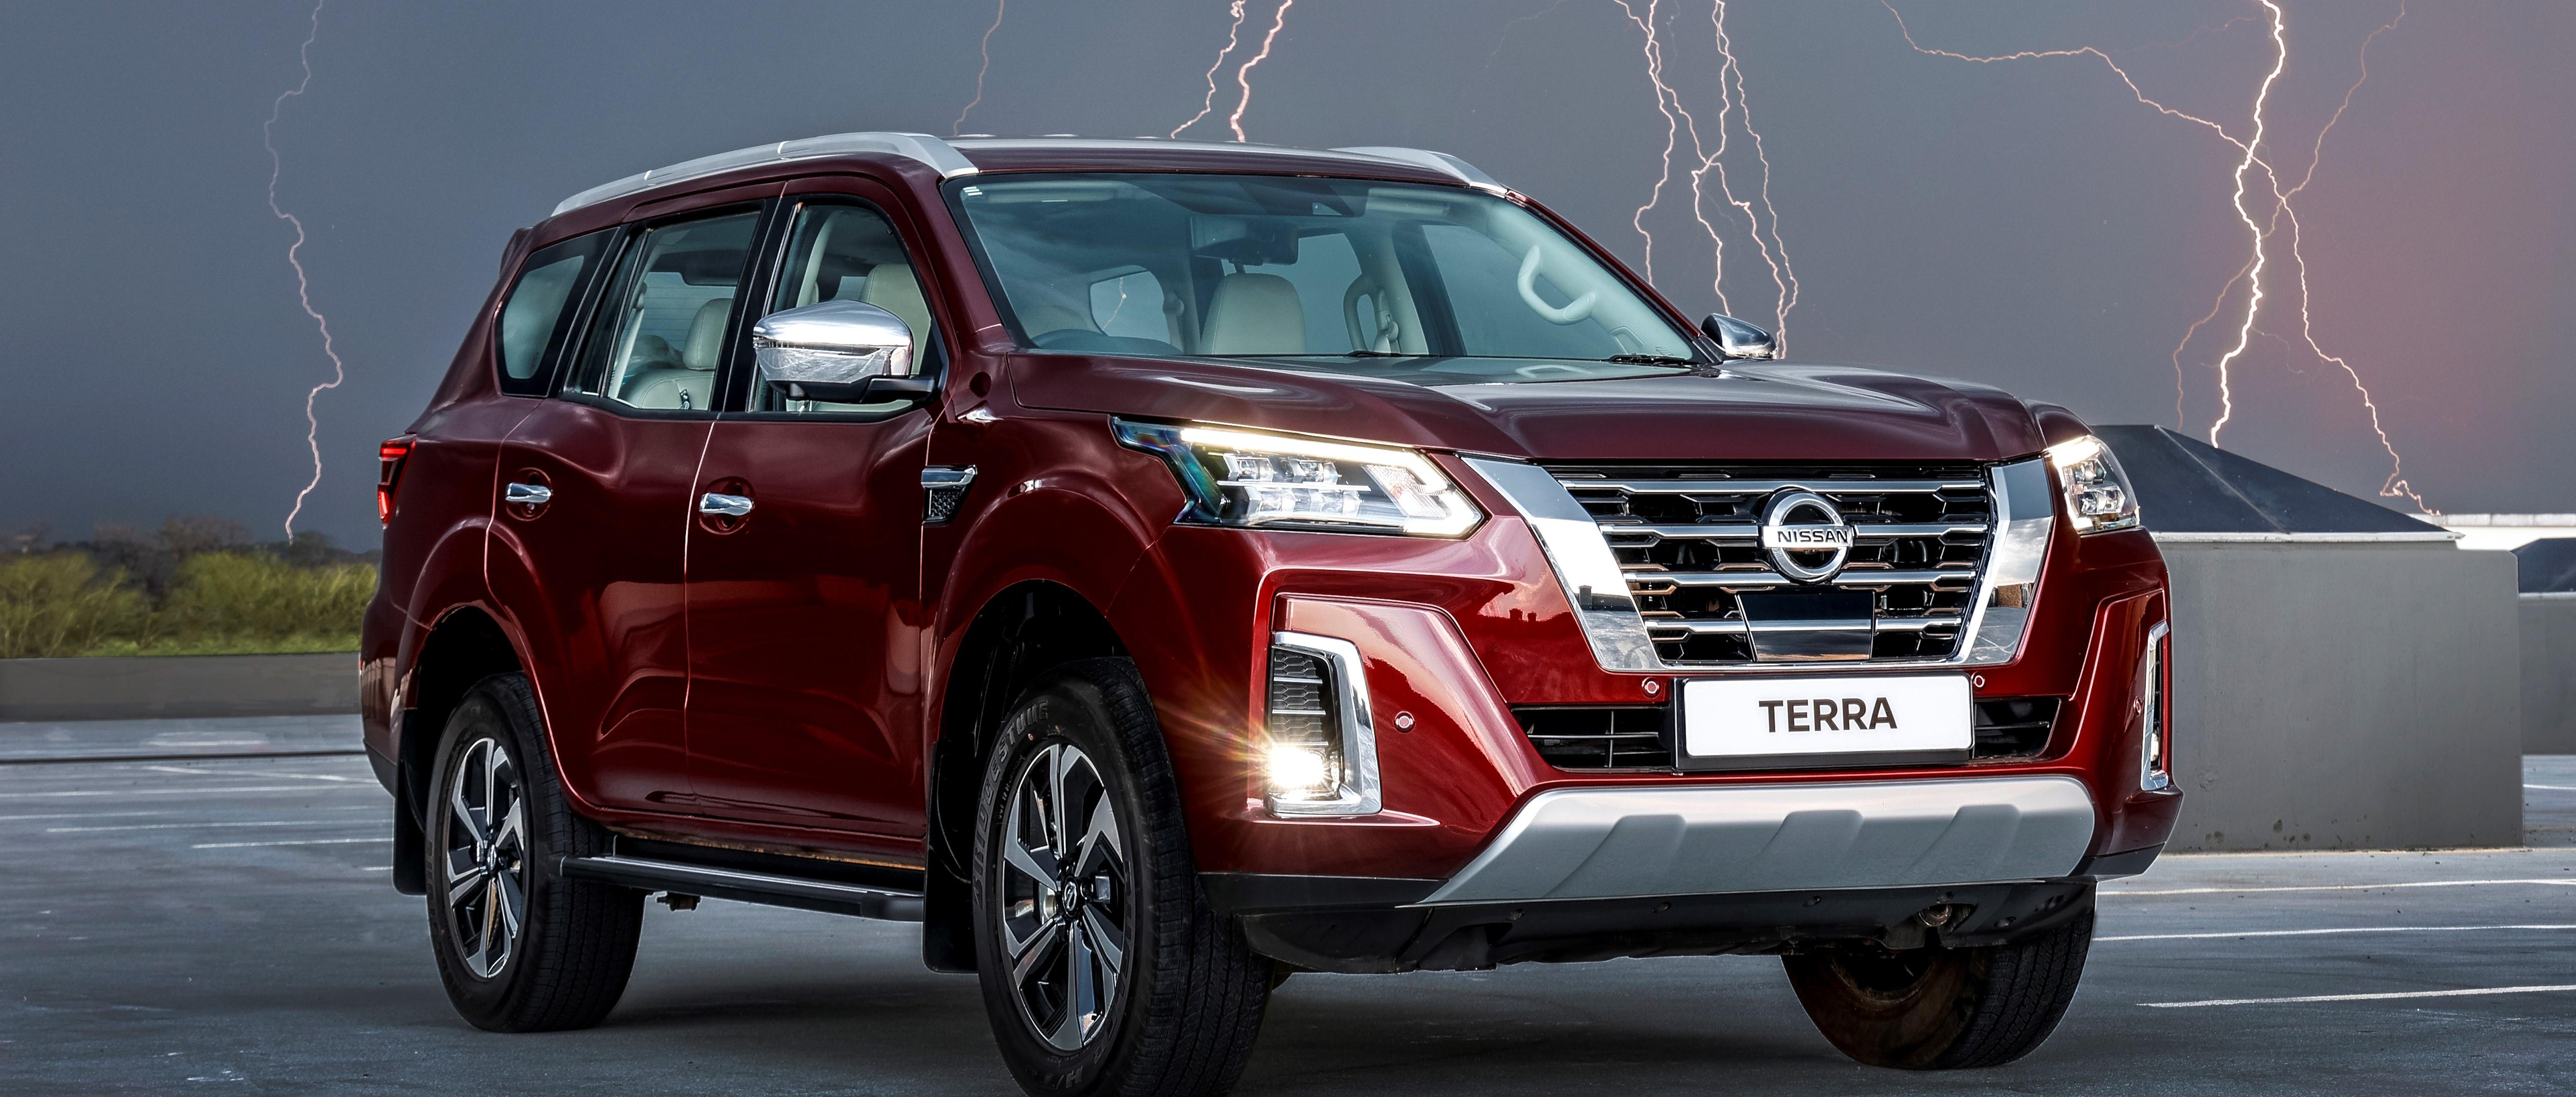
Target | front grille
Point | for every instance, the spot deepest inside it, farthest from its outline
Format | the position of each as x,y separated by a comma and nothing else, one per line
1689,539
1620,737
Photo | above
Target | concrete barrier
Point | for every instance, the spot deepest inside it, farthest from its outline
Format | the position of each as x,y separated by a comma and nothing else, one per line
2548,673
2344,691
182,685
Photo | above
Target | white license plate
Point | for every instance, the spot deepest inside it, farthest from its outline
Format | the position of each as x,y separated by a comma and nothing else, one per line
1748,717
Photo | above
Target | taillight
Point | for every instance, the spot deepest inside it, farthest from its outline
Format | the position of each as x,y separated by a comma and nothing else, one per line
390,455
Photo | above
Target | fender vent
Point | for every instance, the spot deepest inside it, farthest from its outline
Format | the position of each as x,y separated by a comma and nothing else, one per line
943,490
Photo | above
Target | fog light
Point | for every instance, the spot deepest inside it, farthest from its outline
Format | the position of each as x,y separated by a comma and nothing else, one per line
1300,771
1320,754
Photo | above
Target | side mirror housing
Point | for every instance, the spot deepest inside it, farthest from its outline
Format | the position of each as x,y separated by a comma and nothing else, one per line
1737,339
837,352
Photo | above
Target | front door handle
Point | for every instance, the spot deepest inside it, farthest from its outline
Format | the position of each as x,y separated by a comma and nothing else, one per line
730,506
527,495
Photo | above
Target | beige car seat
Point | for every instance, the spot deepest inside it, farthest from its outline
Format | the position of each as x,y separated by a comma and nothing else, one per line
1254,314
692,385
892,287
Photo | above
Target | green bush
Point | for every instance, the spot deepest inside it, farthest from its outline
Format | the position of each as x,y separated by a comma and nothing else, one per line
215,603
60,604
245,596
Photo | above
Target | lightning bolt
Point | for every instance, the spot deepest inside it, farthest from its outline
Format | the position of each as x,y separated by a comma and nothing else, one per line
986,50
303,286
1243,76
1709,157
1207,106
1665,100
2259,232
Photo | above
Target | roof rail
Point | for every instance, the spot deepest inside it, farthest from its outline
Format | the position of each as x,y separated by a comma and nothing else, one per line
932,152
1437,161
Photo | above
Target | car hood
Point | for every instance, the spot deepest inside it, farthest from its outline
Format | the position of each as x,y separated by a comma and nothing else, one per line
1770,411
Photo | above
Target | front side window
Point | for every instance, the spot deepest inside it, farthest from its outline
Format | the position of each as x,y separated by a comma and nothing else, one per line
657,345
841,252
534,317
1426,283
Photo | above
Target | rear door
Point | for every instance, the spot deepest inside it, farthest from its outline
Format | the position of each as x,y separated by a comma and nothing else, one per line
808,656
595,500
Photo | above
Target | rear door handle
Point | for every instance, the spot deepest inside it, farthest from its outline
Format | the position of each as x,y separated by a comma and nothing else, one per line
527,495
730,506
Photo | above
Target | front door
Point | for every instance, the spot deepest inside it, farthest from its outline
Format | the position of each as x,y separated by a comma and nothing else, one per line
808,657
595,500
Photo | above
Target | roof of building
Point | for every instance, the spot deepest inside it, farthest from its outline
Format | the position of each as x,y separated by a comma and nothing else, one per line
2185,485
2546,566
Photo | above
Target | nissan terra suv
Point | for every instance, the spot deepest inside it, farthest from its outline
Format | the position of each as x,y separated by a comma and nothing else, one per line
1159,568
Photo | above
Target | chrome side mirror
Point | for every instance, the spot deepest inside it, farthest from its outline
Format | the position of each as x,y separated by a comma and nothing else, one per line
835,351
1737,339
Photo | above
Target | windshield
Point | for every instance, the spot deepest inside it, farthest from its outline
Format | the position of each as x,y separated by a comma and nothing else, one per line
1338,273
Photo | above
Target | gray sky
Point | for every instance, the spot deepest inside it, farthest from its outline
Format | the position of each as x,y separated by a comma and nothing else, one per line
2025,223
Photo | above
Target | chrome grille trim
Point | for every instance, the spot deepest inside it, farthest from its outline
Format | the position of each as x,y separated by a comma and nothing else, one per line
1632,631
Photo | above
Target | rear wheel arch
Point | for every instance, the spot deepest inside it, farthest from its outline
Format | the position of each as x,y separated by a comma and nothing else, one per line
463,648
1017,636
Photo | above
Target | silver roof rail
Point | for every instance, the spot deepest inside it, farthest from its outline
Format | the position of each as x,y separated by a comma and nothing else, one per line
1440,162
937,154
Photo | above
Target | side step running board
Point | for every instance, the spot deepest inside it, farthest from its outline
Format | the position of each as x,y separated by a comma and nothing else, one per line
748,887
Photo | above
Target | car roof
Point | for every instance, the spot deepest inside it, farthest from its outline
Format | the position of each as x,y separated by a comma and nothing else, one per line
970,156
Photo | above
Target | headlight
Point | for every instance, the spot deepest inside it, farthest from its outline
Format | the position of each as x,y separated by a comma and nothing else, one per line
2098,499
1243,478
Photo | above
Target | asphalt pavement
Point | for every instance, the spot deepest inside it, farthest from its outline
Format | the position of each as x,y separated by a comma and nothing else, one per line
174,923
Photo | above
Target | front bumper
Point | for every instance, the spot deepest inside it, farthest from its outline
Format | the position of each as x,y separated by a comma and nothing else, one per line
1592,873
1591,843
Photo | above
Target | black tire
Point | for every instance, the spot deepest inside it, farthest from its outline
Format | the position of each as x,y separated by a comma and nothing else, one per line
574,946
1943,1008
1185,997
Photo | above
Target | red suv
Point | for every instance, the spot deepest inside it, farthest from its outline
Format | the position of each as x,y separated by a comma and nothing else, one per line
1158,568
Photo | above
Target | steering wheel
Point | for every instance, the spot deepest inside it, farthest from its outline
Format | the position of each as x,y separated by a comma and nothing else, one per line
1575,311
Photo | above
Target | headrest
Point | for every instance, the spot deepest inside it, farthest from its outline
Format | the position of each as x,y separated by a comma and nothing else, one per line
706,335
1254,314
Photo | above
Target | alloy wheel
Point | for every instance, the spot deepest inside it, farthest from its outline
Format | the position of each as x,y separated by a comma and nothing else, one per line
485,847
1065,896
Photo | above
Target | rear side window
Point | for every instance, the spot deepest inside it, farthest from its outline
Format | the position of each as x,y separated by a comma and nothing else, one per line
538,315
661,334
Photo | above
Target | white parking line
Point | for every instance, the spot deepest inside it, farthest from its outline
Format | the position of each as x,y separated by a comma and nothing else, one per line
2362,997
2568,881
2320,932
202,826
257,773
2554,788
80,815
302,842
188,791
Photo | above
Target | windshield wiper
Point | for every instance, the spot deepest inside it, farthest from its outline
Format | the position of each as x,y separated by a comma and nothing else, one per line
1649,360
1377,354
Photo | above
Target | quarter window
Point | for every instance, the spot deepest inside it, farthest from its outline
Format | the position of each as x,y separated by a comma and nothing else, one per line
535,317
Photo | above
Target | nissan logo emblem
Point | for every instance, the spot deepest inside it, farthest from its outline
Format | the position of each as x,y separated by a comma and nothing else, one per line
1804,536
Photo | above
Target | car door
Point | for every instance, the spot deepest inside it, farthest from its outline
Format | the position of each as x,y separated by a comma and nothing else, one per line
595,500
807,631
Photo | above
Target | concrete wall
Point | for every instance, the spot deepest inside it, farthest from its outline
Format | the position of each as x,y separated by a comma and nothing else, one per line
188,685
2548,673
2343,695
